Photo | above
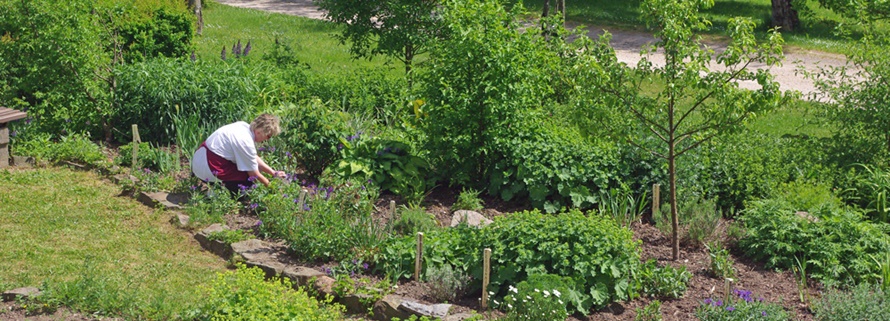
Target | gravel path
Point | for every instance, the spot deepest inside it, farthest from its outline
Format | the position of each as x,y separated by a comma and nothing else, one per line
627,45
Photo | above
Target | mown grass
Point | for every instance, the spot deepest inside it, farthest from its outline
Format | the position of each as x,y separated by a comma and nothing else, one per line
313,41
72,232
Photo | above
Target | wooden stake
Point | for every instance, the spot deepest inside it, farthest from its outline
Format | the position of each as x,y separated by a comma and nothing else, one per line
136,141
727,286
656,199
486,275
392,209
418,261
301,200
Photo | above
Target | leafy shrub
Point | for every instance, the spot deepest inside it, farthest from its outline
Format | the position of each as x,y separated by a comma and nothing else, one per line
701,219
595,248
445,283
392,165
835,244
870,190
622,206
664,281
414,219
205,208
740,307
804,195
468,199
651,312
314,135
370,291
244,294
148,157
861,302
73,148
721,262
538,298
166,32
375,92
215,92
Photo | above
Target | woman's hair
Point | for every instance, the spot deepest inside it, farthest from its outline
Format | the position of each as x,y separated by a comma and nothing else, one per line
266,124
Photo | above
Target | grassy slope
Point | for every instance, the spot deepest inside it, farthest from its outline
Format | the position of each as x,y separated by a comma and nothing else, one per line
54,220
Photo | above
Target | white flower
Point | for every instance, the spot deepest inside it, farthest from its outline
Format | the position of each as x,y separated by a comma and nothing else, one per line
509,305
528,297
546,294
536,290
556,293
560,301
514,289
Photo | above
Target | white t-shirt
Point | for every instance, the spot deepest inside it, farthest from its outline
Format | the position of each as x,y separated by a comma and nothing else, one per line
234,142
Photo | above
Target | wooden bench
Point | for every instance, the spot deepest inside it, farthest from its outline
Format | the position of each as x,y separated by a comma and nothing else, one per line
7,115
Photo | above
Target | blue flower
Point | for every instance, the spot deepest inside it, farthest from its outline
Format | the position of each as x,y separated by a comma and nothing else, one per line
730,308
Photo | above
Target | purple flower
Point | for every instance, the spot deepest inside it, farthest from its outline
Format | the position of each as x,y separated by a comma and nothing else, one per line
272,149
306,207
763,313
287,154
193,187
251,179
730,308
258,223
13,133
261,149
339,147
719,303
146,170
214,172
709,301
365,266
246,49
253,206
28,121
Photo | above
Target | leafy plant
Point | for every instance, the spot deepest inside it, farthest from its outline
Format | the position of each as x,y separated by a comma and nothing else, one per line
871,191
229,236
413,219
800,278
863,301
390,164
244,294
742,306
651,312
468,199
370,291
664,281
701,220
622,206
535,300
445,283
721,263
349,268
210,206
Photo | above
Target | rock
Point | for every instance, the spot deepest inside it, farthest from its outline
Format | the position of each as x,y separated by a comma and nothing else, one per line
325,285
22,161
158,198
388,308
214,246
26,292
263,255
300,275
356,303
472,218
808,216
433,311
180,220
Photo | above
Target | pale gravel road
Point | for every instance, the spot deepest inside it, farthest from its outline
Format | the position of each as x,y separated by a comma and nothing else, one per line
627,45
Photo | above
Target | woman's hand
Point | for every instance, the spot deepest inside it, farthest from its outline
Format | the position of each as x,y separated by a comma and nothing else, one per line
280,174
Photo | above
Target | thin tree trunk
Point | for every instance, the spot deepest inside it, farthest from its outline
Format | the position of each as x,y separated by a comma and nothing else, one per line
784,16
675,220
196,6
546,9
561,7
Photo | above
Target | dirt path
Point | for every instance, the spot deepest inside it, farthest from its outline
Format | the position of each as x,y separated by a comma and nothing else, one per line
627,45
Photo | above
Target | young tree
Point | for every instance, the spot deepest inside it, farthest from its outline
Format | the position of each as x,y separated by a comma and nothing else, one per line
684,102
400,29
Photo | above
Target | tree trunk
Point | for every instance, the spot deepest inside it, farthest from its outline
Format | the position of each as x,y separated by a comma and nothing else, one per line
561,7
196,6
784,16
675,220
546,9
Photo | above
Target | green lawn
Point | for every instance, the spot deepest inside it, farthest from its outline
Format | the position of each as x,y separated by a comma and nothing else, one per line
72,231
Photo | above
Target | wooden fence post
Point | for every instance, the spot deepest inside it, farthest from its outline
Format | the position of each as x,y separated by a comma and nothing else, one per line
486,275
392,209
136,141
418,261
302,200
656,199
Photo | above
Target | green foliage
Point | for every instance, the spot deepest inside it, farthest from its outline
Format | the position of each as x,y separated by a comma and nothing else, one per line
870,190
804,195
721,263
467,112
701,219
75,148
205,208
666,281
167,32
229,236
468,199
413,219
153,158
622,206
399,29
369,291
334,223
390,164
651,312
538,298
836,245
244,294
90,291
446,284
601,254
213,93
861,302
314,134
742,306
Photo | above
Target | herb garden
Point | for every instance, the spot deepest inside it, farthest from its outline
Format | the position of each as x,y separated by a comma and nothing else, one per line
654,191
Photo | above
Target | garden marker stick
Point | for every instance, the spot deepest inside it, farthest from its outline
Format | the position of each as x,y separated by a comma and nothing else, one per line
486,275
392,209
302,199
656,199
418,261
727,286
136,141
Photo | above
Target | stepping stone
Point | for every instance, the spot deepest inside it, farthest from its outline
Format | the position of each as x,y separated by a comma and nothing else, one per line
25,292
433,311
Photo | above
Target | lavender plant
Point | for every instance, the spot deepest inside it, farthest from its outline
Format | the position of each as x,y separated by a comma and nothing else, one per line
742,306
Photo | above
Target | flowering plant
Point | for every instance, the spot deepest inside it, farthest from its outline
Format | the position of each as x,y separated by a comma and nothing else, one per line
527,303
742,306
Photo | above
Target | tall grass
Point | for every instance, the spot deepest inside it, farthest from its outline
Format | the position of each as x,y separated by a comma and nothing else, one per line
68,232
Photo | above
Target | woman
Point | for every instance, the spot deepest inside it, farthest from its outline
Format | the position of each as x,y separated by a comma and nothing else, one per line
229,155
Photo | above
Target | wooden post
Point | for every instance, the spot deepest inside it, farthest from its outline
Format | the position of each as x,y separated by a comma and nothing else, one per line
727,286
4,146
301,200
486,275
656,199
136,141
418,261
392,209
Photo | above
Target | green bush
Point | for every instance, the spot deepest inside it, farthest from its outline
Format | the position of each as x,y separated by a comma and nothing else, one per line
211,206
148,157
314,135
244,294
836,245
73,148
742,306
413,219
468,199
214,93
721,263
667,281
391,164
446,284
541,297
167,32
861,302
602,255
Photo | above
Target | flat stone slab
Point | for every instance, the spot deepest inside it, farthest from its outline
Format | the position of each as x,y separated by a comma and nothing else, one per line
301,275
25,292
261,254
420,309
168,201
215,246
472,218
